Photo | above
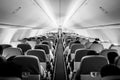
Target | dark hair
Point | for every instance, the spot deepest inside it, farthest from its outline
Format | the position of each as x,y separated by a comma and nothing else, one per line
109,70
111,57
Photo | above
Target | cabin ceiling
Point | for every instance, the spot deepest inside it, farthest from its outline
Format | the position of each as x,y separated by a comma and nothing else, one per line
50,14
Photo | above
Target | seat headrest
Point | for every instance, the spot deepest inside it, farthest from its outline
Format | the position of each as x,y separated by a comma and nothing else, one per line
80,53
92,64
5,45
38,53
28,63
74,47
24,47
43,47
106,51
8,52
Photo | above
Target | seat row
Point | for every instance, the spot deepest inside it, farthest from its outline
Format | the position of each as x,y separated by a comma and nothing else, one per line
83,59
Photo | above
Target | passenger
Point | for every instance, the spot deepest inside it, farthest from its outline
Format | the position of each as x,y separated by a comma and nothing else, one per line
67,50
77,40
109,70
96,40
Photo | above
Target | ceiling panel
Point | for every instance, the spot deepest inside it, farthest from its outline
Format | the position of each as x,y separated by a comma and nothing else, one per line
24,13
94,13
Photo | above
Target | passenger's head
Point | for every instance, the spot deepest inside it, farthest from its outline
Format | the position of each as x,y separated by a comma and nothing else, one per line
77,38
109,70
111,57
96,40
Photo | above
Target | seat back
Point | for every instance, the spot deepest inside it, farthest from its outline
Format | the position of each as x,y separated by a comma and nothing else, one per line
106,51
40,54
43,47
8,70
47,43
79,54
24,47
74,47
4,46
9,52
90,67
97,47
46,49
30,67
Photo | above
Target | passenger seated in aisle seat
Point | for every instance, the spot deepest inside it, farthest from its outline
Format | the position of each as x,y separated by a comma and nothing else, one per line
67,50
77,40
51,49
109,70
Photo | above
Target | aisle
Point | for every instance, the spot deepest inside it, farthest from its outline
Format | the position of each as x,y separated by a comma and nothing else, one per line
60,69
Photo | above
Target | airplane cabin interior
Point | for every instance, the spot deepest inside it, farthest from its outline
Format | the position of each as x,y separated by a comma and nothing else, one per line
59,39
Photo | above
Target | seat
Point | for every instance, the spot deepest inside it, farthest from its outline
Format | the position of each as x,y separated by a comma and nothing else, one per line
110,72
30,67
9,52
4,46
90,67
98,47
74,47
24,47
43,47
40,54
9,71
46,49
106,51
47,43
79,54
